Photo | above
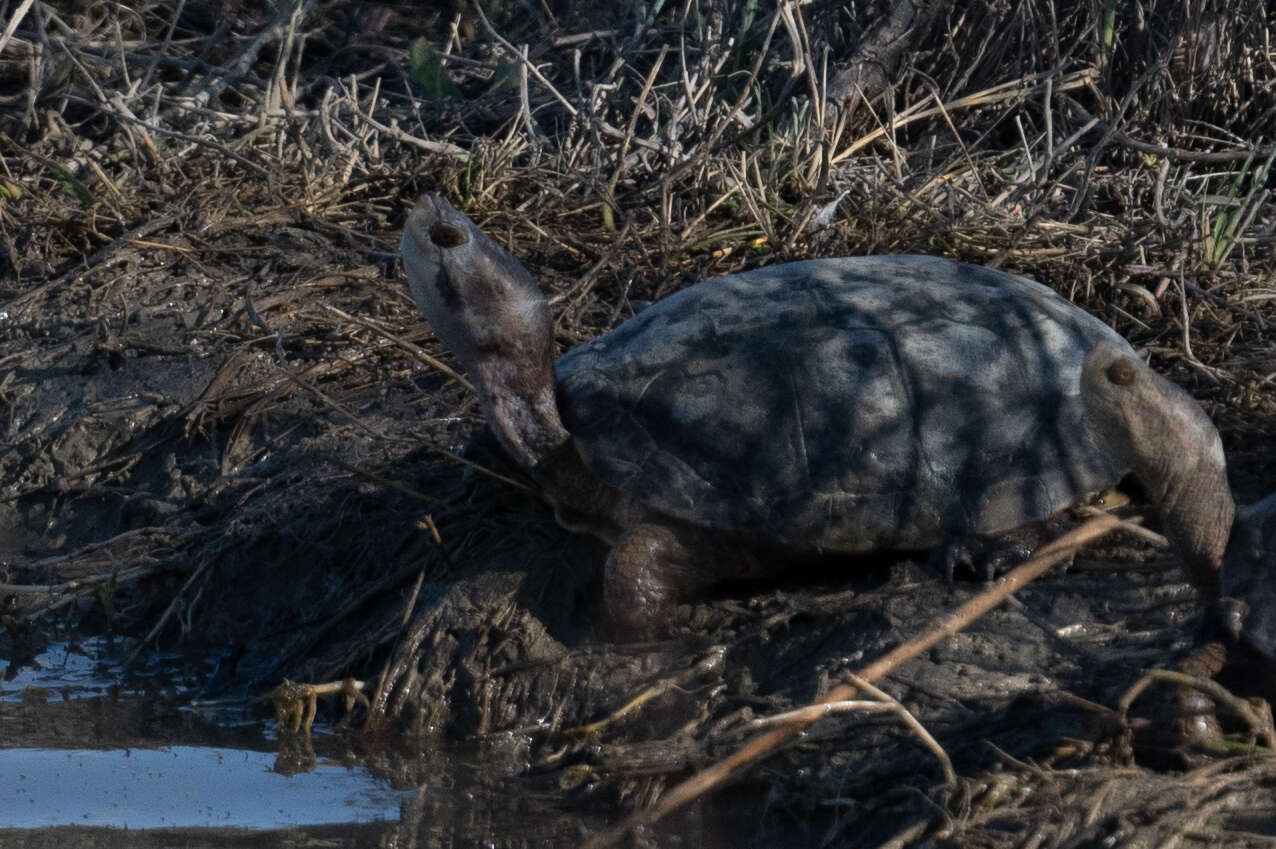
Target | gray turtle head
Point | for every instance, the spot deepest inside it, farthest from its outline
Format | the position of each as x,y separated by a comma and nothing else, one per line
1162,435
1247,580
486,308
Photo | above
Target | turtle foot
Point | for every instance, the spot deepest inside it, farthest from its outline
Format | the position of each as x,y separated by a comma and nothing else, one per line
983,557
986,556
1195,714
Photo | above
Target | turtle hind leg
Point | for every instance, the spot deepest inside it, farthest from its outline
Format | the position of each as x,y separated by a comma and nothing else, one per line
654,566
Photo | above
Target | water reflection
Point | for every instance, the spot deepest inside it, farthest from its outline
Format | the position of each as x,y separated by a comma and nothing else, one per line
183,787
66,670
109,761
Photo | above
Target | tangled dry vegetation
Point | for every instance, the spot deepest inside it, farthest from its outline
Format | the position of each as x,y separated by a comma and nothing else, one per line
226,427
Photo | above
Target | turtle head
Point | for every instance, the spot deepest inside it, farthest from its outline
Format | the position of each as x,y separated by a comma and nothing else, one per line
1247,580
486,308
1159,432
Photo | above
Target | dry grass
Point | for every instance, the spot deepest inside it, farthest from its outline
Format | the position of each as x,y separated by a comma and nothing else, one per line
622,156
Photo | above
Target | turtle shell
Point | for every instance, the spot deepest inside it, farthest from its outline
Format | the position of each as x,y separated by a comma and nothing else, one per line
845,404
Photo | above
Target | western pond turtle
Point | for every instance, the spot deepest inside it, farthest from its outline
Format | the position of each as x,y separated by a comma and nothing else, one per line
833,405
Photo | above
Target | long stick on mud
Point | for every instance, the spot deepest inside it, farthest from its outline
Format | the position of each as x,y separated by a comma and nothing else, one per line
760,747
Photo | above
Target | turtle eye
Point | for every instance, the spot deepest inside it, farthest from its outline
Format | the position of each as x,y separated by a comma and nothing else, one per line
1121,373
447,236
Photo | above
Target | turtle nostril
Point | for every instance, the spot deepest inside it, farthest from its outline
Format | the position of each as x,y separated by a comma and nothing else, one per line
447,236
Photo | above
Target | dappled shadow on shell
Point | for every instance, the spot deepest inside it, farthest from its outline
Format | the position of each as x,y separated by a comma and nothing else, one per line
830,408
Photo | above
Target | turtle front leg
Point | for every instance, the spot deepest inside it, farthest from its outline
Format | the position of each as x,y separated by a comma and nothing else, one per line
654,566
987,556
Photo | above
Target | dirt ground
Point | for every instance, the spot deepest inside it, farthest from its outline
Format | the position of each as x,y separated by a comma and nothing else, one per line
227,432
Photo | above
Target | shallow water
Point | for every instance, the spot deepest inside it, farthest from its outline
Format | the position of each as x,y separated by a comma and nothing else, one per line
183,787
68,669
88,760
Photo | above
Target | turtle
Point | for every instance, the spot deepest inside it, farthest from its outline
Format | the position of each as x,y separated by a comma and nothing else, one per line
823,406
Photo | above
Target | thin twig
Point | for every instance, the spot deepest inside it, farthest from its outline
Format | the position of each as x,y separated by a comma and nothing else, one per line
14,21
765,745
1174,153
415,350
